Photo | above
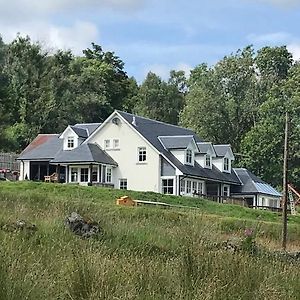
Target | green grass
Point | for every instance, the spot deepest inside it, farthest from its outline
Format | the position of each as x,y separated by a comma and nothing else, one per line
144,253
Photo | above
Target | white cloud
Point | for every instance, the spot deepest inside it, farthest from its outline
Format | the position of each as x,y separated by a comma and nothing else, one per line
295,50
76,37
163,70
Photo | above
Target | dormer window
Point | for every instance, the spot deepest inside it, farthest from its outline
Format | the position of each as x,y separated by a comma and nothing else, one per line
207,161
189,157
70,142
226,164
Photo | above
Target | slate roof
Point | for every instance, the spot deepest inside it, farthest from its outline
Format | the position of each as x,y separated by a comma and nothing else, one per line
81,132
87,153
221,150
176,142
151,130
43,147
89,127
253,184
204,146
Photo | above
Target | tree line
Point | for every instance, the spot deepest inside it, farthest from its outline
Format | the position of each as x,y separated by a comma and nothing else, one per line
241,100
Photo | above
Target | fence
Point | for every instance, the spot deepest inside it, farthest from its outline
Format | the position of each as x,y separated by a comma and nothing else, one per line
8,162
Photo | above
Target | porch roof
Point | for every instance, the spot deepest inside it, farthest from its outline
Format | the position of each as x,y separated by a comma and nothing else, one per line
85,153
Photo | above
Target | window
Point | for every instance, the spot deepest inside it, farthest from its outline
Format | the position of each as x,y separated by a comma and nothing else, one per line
123,184
167,186
142,154
194,190
188,187
182,186
200,188
116,143
226,192
103,173
207,160
108,175
106,144
70,142
74,174
226,164
188,156
84,174
95,174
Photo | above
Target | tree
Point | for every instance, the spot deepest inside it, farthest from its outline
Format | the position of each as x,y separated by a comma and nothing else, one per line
159,100
262,146
221,104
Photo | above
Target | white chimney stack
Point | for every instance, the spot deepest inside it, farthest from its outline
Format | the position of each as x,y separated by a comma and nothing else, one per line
133,121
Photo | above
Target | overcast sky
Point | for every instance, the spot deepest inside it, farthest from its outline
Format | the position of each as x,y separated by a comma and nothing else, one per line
156,35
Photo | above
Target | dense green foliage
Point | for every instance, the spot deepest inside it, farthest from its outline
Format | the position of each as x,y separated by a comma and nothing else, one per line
241,100
144,252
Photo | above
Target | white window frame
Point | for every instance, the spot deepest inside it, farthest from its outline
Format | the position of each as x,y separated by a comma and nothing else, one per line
123,184
95,167
107,144
76,174
142,155
226,164
116,143
108,175
226,186
70,142
188,189
206,158
189,157
86,175
168,186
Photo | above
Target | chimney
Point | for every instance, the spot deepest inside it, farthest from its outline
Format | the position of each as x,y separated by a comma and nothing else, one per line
133,121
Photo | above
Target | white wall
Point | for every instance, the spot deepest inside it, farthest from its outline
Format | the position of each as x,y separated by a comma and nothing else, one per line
68,133
265,200
179,154
140,176
24,169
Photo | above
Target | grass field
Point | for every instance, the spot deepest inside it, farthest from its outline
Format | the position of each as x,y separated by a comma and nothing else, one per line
144,252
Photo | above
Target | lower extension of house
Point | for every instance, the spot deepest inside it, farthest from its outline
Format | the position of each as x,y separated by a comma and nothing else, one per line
131,152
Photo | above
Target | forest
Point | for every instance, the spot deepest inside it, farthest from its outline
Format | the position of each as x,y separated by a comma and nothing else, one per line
241,100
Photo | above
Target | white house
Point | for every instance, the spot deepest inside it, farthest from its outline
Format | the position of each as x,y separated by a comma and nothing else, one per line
131,152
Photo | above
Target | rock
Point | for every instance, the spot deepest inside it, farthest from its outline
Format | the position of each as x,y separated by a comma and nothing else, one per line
79,226
20,225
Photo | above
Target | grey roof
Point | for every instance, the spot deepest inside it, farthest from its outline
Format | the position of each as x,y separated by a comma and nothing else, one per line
221,150
81,132
43,147
89,127
151,130
176,142
85,153
253,184
204,146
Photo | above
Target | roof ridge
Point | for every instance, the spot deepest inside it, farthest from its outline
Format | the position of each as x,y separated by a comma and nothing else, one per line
161,122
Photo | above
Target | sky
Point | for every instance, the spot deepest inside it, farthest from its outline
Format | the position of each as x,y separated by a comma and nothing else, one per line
155,35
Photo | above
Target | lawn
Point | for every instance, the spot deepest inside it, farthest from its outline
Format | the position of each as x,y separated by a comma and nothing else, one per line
142,252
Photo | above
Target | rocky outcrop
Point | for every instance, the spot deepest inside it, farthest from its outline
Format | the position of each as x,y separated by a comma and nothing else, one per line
82,227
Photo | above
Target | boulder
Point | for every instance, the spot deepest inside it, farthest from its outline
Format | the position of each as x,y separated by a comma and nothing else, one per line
80,226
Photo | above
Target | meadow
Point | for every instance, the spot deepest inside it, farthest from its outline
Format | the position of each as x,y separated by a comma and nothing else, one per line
142,252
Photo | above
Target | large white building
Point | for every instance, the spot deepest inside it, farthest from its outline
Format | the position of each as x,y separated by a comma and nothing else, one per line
131,152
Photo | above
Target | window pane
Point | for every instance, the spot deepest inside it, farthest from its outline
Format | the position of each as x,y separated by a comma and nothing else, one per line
108,175
74,174
84,174
142,154
123,184
95,173
167,186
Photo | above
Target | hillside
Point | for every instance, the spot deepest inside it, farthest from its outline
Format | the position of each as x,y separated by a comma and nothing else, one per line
142,252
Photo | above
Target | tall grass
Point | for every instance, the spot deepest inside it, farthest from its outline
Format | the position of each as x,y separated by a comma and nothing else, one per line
144,253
